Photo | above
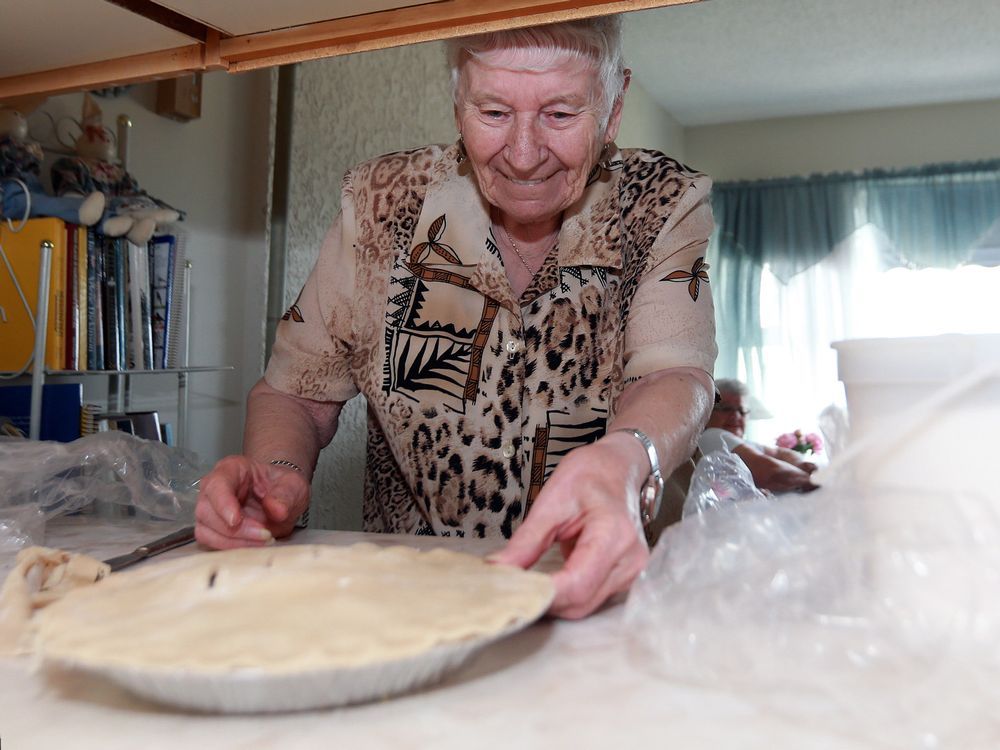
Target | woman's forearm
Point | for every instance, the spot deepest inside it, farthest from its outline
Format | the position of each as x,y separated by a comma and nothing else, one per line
671,408
287,428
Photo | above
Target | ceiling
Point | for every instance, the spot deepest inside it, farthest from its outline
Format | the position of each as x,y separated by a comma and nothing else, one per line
252,16
733,60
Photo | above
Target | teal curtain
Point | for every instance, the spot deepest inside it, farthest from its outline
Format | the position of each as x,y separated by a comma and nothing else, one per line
933,216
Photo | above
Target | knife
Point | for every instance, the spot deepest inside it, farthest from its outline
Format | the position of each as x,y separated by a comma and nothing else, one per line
171,541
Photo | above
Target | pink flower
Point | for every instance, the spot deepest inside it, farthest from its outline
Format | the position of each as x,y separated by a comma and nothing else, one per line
788,440
796,441
815,442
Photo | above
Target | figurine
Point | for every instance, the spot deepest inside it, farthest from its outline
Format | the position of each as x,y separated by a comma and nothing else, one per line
95,167
22,194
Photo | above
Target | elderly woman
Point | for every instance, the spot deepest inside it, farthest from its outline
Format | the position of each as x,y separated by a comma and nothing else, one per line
527,313
774,469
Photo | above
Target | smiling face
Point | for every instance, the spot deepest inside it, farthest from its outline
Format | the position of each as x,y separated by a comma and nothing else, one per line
532,137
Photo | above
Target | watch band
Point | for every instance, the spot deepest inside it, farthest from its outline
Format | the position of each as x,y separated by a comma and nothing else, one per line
651,494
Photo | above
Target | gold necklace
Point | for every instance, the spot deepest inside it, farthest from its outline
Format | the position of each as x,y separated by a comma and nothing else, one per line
513,246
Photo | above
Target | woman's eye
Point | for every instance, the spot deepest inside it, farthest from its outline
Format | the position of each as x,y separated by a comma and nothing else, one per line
561,116
492,114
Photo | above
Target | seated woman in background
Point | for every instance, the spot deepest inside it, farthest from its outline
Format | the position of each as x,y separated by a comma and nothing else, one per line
773,468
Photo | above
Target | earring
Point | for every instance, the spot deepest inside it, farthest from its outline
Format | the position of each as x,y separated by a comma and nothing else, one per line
462,153
605,163
604,153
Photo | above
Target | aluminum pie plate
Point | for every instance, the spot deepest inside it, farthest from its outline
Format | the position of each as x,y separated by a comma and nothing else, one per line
257,691
307,682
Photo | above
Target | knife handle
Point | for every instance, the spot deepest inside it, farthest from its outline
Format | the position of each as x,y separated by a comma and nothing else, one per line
168,542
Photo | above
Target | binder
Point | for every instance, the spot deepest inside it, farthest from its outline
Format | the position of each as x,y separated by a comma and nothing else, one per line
23,254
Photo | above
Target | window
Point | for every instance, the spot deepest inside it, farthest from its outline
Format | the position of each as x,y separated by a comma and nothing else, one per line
859,291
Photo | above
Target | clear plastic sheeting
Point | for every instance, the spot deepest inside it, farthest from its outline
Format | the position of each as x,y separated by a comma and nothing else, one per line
20,526
873,613
42,480
720,478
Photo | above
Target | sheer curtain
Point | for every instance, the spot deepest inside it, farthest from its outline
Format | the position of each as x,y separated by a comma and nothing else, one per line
857,291
800,263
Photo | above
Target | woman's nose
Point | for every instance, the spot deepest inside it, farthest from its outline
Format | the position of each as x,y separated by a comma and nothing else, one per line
525,149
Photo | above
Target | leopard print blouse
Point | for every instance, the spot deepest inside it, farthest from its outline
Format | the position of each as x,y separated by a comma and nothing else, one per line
473,395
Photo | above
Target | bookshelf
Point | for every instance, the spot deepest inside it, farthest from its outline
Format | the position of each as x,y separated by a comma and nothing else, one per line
119,381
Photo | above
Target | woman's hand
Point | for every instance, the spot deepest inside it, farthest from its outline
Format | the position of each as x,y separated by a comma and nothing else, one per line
590,505
244,503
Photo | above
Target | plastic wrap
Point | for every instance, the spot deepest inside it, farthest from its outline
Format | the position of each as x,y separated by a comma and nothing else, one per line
41,480
20,526
720,478
870,613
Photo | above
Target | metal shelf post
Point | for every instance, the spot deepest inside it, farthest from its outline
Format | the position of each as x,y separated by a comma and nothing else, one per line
41,327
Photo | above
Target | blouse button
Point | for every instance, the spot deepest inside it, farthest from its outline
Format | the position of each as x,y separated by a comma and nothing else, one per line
508,450
512,346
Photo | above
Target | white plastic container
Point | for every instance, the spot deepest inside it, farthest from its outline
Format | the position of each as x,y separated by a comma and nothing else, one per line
924,412
924,459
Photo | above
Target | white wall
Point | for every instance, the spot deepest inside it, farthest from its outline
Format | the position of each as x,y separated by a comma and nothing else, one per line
645,124
216,169
901,137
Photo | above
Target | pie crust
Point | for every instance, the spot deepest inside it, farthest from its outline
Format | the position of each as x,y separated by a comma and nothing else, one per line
281,610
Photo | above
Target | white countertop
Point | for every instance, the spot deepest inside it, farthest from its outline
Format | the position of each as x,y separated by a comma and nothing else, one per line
558,684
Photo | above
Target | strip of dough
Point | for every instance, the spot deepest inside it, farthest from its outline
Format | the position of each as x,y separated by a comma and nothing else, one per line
40,577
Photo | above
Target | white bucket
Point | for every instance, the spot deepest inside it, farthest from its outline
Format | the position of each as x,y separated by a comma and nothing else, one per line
924,412
924,455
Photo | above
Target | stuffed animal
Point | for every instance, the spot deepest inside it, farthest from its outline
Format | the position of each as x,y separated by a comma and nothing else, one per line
95,168
22,194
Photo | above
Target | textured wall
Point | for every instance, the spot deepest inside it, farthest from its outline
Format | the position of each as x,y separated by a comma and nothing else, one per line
348,109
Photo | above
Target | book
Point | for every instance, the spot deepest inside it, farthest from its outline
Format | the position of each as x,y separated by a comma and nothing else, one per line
111,280
161,252
81,298
121,281
176,322
72,311
61,409
95,303
22,270
145,424
88,419
73,251
140,331
58,307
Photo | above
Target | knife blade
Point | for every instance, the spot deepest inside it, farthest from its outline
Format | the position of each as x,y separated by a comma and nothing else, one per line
171,541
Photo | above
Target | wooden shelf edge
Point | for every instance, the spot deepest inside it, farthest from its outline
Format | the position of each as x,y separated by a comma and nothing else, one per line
410,25
390,28
149,66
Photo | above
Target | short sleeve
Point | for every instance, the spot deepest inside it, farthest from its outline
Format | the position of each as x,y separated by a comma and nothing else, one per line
672,319
716,439
313,342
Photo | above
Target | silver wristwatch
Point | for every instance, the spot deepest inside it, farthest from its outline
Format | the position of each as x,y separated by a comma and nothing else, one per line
651,494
